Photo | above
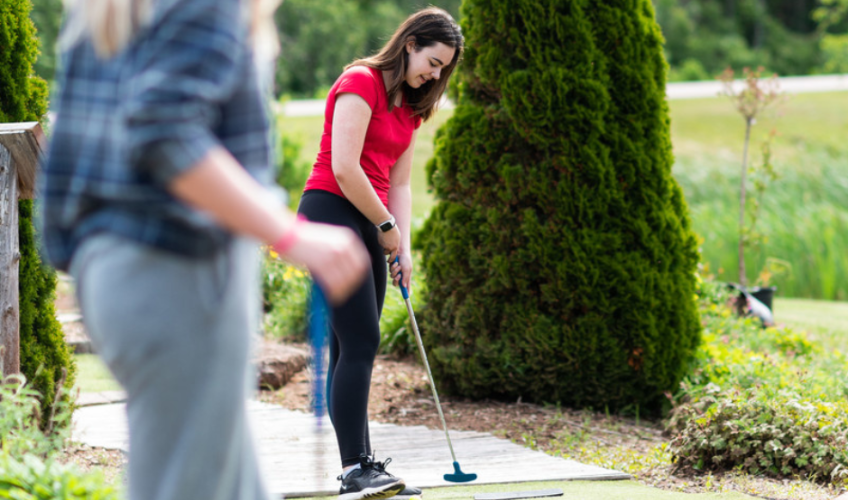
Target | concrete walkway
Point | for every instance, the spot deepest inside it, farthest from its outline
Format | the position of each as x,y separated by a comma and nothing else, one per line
299,460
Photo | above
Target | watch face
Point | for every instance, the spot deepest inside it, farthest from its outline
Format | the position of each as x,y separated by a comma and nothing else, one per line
386,226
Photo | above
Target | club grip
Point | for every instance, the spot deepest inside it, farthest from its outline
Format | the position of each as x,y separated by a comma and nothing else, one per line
403,290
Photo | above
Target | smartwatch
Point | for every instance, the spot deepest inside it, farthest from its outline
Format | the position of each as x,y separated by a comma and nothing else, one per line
388,225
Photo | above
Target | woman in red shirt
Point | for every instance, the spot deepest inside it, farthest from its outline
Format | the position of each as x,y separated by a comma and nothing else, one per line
361,180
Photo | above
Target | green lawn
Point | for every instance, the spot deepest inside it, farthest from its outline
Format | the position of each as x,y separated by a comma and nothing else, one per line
578,490
711,125
92,375
825,321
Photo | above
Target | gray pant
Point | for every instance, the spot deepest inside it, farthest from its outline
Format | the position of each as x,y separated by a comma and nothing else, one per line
176,332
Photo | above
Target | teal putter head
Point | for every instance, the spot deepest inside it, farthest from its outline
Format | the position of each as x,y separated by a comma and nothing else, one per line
458,476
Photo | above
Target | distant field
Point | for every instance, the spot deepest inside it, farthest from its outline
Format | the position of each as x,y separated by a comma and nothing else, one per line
712,126
824,321
804,214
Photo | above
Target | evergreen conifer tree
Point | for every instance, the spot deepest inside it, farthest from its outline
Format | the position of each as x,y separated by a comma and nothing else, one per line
559,256
23,97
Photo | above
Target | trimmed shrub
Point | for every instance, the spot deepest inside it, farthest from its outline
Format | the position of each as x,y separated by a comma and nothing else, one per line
23,97
559,256
44,353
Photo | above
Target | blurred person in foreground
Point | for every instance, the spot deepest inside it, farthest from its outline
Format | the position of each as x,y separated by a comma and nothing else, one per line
153,200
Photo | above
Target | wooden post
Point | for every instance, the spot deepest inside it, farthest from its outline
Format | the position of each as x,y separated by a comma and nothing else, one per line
21,144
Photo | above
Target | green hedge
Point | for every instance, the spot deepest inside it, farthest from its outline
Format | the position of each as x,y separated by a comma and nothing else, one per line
23,97
44,352
559,256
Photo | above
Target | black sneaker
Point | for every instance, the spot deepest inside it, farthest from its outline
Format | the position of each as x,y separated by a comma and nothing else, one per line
408,492
370,481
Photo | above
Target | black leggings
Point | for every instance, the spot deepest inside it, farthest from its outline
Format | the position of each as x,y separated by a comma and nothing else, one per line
356,328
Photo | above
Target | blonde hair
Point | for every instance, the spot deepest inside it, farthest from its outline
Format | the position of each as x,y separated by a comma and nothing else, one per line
111,24
425,28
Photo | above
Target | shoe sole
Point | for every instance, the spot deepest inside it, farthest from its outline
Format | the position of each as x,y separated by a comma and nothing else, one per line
374,493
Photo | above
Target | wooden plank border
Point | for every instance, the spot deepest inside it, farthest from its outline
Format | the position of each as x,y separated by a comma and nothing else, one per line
21,146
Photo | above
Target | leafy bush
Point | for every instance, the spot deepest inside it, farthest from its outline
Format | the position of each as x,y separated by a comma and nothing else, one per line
761,430
559,257
396,335
762,401
28,453
23,97
689,70
835,49
20,418
285,291
30,478
292,169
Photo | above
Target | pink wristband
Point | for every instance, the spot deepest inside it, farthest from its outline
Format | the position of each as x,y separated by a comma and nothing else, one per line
290,237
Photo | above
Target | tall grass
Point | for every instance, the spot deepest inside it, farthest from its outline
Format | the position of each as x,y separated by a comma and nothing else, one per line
804,218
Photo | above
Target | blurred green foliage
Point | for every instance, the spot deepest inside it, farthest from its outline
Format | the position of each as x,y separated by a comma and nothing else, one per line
47,17
702,37
319,38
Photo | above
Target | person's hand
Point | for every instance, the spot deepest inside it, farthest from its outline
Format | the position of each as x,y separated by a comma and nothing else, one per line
390,241
334,255
402,268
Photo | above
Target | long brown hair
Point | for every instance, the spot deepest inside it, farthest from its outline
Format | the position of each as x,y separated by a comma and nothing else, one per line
426,27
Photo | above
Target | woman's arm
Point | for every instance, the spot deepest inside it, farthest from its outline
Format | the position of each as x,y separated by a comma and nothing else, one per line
351,117
400,204
219,186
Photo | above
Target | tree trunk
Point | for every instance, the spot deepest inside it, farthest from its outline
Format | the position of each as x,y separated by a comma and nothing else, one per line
742,280
9,257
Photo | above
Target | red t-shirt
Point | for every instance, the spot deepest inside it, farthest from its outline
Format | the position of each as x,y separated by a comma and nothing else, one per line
388,135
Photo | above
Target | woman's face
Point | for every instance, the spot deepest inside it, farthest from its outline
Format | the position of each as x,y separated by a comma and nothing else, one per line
426,63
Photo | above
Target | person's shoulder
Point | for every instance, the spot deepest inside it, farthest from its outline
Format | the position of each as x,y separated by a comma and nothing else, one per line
363,81
360,73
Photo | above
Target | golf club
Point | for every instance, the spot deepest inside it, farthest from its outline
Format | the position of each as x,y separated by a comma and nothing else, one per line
458,476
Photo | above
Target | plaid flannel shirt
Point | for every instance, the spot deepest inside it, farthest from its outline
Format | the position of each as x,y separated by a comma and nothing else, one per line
126,126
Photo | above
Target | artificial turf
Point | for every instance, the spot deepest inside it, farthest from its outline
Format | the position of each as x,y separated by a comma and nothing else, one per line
576,490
